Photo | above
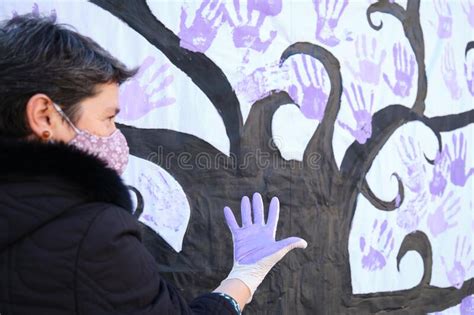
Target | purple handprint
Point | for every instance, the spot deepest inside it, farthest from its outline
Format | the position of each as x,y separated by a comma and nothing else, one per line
203,30
269,7
362,114
373,1
369,62
469,73
441,219
448,68
36,13
456,275
467,305
328,17
410,215
312,96
245,32
137,97
254,85
458,164
404,71
261,81
440,173
376,252
416,170
163,196
445,19
468,8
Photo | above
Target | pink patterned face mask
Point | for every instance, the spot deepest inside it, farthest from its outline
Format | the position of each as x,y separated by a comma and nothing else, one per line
112,149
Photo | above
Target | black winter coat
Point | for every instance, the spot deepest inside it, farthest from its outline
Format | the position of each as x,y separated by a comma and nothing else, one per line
69,245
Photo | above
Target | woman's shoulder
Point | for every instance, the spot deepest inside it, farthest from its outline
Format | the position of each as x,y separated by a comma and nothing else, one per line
82,174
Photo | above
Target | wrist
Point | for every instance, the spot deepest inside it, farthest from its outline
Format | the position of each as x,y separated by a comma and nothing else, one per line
236,289
250,275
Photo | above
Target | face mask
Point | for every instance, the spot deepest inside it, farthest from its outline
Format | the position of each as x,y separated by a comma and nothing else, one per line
112,149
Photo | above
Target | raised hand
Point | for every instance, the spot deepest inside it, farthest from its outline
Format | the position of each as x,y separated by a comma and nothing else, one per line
457,160
443,217
440,173
145,91
255,248
445,18
377,248
362,114
404,71
369,61
329,13
311,93
199,36
456,274
448,69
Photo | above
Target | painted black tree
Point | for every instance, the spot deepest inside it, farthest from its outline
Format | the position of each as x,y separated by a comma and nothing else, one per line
317,205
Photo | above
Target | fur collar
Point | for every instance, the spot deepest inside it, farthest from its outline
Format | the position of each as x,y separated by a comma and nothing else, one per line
93,179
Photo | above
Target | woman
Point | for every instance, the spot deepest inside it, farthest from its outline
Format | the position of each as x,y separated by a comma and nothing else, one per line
68,243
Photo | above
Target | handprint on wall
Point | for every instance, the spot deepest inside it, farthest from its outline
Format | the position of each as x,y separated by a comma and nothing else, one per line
410,155
369,60
404,71
469,73
467,305
448,69
378,247
246,31
456,272
440,173
329,13
146,91
445,18
468,8
412,212
36,12
457,160
208,18
443,218
311,93
362,113
164,206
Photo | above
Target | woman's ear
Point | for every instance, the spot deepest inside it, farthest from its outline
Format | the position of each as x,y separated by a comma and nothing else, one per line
44,121
38,116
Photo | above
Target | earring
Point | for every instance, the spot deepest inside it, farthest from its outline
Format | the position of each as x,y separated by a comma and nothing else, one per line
46,135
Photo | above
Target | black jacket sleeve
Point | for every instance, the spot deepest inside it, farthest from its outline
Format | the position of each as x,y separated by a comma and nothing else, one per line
117,275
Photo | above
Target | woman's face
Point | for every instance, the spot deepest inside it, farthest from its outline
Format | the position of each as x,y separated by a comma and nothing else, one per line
96,115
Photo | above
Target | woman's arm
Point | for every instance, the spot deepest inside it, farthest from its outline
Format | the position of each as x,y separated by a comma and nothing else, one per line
116,274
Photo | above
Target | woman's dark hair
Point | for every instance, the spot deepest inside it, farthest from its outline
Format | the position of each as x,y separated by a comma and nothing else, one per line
39,56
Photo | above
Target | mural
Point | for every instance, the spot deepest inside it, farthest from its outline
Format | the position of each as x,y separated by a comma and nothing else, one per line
364,134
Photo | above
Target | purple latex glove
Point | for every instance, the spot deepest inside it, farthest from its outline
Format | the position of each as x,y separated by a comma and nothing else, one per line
255,248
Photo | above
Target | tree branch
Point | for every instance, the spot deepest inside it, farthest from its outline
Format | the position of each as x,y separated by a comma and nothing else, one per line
202,70
410,19
322,137
382,204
